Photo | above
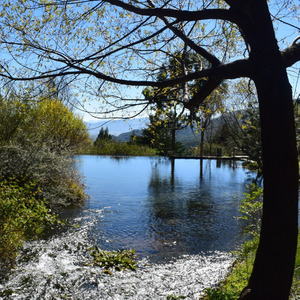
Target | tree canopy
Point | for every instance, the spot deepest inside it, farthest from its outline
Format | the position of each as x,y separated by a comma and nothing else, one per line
100,45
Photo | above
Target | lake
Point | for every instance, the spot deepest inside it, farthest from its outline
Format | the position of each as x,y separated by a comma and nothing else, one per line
178,216
163,209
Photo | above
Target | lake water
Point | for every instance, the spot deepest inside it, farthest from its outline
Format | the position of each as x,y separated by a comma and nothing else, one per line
179,217
163,210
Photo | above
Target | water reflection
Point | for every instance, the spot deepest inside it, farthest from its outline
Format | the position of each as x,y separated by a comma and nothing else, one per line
191,218
164,208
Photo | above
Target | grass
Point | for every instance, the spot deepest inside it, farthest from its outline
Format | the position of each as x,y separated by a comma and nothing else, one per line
295,291
237,278
120,149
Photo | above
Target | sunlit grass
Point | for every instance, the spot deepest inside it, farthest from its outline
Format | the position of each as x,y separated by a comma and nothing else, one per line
122,149
238,276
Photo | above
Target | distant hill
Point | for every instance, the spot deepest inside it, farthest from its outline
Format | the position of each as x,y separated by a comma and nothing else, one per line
116,127
126,136
122,130
187,136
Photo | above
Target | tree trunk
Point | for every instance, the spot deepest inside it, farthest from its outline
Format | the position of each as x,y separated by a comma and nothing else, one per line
173,146
274,264
201,142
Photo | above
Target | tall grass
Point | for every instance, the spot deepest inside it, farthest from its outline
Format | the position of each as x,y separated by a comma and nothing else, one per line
125,149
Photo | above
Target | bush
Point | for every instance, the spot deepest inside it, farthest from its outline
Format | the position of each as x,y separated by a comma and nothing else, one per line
251,210
239,274
231,287
116,260
24,215
109,147
52,172
37,140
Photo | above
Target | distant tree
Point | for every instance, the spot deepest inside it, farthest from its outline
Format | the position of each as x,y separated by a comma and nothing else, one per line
225,134
168,102
240,129
103,136
167,105
249,135
202,117
160,135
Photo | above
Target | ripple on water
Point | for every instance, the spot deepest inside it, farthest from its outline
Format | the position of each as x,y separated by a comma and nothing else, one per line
54,270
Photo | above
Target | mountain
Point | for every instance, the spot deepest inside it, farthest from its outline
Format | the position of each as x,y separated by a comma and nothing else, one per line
116,127
122,130
187,136
126,136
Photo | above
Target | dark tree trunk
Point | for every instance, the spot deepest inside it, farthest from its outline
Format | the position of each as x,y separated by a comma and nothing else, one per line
274,264
173,146
201,142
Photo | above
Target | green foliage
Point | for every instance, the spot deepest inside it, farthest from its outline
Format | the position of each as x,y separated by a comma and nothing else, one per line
103,136
250,137
43,135
52,172
59,126
113,260
36,141
24,214
208,149
109,147
224,136
241,131
251,210
168,112
160,135
11,113
216,294
45,122
171,297
105,145
238,276
295,290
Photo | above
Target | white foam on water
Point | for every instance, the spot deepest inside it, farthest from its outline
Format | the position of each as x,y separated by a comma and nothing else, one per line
55,270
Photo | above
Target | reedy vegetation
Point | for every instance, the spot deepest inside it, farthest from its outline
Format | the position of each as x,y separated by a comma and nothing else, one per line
105,145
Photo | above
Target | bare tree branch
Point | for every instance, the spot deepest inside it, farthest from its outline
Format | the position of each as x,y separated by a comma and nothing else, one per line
180,15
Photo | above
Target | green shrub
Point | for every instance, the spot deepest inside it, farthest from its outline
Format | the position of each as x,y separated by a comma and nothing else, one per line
172,297
231,287
251,210
52,172
116,260
23,215
108,147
